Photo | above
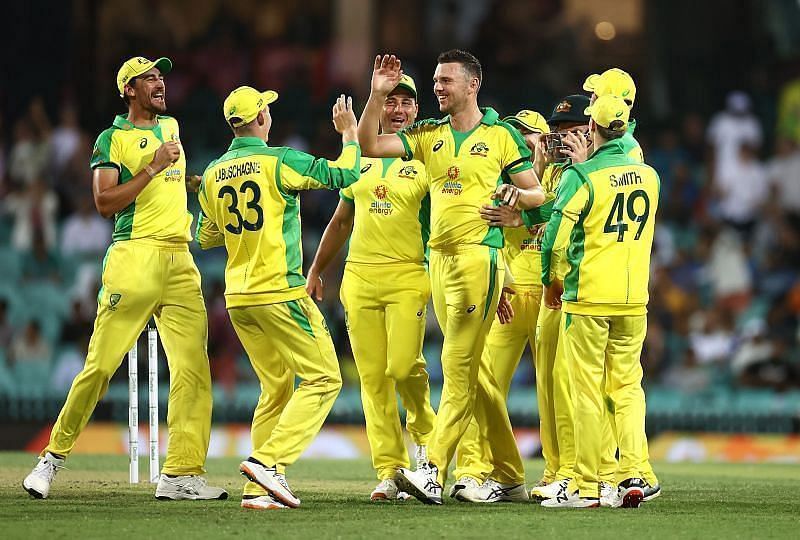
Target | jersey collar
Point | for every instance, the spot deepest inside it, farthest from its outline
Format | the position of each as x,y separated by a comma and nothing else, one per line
609,148
121,122
490,117
241,142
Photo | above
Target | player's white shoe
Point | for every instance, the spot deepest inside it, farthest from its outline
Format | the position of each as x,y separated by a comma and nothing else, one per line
421,455
570,500
608,495
37,483
387,491
461,484
630,493
422,483
651,492
271,480
549,491
262,502
193,488
492,491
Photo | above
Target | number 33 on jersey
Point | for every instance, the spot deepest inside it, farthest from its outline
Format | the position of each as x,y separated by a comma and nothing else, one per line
605,213
249,204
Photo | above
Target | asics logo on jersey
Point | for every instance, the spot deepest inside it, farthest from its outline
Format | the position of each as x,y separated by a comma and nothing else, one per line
479,149
366,167
471,308
419,313
143,142
438,145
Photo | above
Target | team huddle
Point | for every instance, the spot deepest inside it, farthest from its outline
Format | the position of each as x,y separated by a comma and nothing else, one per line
519,230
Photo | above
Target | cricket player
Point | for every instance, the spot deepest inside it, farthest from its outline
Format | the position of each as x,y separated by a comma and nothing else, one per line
385,292
606,208
139,171
250,204
469,154
565,143
617,82
507,339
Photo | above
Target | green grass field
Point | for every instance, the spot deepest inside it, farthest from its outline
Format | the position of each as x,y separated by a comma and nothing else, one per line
93,500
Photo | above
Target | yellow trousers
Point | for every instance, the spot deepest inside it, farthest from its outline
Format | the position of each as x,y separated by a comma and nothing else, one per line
466,281
385,307
144,279
604,354
285,340
502,352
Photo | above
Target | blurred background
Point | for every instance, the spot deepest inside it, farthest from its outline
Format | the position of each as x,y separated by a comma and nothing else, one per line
718,110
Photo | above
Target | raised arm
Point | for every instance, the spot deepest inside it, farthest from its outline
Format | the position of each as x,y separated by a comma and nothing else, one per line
385,76
336,234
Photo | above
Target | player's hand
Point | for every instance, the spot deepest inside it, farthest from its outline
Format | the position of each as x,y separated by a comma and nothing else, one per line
314,286
507,194
167,154
193,182
577,147
344,120
552,294
505,312
385,75
501,216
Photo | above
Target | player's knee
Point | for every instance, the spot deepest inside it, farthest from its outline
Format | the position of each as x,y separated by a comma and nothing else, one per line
398,372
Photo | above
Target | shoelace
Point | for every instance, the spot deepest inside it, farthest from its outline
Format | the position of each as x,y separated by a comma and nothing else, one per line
196,483
282,481
47,469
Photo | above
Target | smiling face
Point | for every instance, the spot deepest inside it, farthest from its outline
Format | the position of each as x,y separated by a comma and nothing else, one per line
149,91
399,110
453,86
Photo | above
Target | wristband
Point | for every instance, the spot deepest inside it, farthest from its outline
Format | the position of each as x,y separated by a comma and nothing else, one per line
149,170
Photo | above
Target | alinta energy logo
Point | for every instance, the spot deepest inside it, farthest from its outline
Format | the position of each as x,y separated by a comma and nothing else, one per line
381,206
479,149
409,172
534,241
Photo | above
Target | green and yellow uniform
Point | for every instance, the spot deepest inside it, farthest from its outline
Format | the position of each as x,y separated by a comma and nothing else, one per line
385,292
250,204
148,272
466,267
606,209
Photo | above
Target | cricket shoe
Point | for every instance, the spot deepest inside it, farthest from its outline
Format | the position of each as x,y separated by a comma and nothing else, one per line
544,492
492,491
271,480
37,483
192,488
571,500
651,492
630,492
608,495
387,491
422,483
262,502
421,455
465,482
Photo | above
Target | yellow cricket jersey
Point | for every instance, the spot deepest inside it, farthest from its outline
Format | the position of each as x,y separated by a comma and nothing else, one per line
159,212
464,170
606,206
249,203
392,212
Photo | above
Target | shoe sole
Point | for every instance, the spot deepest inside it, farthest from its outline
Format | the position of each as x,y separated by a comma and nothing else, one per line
406,485
379,497
185,497
258,507
632,498
275,492
32,492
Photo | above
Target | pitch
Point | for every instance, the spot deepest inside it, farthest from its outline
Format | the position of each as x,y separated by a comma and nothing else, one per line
94,500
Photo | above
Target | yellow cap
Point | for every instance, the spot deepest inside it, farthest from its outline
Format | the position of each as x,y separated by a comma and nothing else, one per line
408,83
608,109
530,120
615,82
138,65
243,104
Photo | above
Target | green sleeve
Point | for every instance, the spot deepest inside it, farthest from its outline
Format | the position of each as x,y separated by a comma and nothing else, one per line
571,182
300,171
539,215
103,156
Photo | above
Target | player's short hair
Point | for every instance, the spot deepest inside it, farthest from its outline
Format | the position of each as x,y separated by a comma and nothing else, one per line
125,98
615,130
468,62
